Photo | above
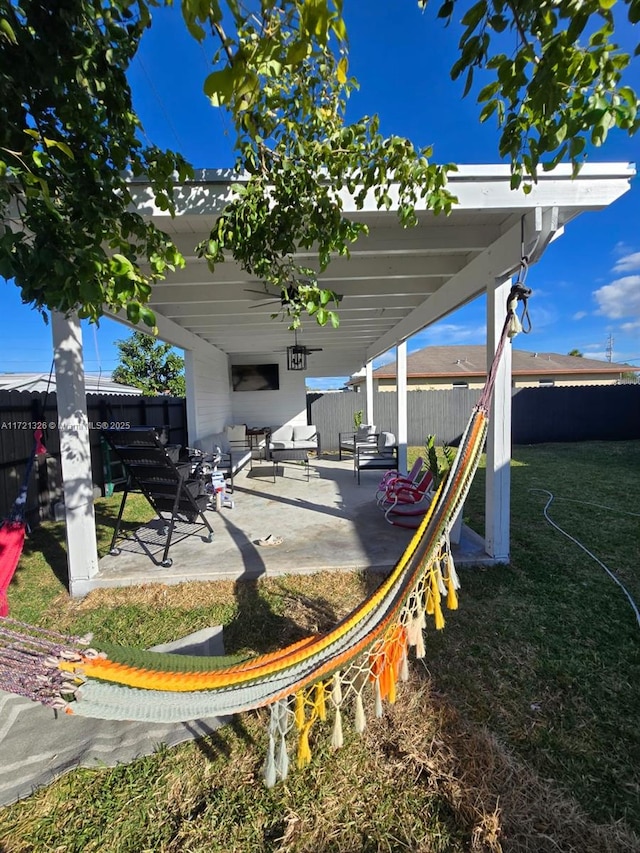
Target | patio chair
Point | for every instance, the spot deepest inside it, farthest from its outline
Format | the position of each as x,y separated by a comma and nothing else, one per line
164,481
406,503
348,441
382,456
391,478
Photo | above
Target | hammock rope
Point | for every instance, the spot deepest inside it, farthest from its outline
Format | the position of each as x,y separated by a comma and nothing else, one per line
301,683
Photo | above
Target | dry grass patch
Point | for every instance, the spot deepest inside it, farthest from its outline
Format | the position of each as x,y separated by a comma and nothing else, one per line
420,779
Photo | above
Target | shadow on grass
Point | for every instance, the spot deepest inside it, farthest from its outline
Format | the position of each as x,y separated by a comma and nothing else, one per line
215,744
49,542
257,624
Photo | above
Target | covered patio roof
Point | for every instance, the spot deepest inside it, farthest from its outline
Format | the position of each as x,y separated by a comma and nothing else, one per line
397,280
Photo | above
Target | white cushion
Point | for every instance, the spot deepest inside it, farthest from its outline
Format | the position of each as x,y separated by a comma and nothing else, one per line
211,442
304,432
386,442
283,433
364,431
237,432
282,445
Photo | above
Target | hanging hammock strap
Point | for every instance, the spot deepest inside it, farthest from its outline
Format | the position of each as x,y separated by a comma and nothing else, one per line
519,293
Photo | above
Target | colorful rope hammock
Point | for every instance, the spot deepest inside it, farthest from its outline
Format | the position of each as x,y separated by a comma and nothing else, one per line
368,649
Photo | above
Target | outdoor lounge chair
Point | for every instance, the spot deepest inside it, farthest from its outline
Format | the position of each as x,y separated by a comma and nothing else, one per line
383,456
164,481
348,441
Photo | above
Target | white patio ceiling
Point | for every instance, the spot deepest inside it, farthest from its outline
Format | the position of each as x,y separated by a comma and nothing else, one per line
396,282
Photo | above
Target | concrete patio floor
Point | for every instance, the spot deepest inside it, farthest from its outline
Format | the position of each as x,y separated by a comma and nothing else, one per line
328,523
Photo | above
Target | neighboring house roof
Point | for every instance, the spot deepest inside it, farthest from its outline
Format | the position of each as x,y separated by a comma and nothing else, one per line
457,362
94,383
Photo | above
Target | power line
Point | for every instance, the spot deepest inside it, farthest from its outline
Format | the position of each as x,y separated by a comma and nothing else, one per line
163,109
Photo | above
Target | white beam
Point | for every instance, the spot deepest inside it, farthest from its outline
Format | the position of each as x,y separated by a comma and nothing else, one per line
341,269
477,187
498,482
75,452
430,235
401,362
190,382
369,390
199,289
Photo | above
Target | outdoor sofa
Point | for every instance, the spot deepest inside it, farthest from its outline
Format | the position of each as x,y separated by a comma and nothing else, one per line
294,437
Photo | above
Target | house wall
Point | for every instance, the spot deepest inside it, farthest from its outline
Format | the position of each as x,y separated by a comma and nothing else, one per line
566,379
271,408
209,390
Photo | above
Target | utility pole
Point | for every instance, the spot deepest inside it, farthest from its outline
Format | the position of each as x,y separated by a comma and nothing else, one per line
609,348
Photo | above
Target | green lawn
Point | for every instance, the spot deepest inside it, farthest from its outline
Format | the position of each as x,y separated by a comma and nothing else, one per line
519,733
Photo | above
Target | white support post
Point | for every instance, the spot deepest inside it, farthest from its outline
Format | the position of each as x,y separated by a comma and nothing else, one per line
82,550
190,384
401,362
369,388
498,485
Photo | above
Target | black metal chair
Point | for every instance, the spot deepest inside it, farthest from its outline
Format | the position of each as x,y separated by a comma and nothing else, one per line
165,482
382,456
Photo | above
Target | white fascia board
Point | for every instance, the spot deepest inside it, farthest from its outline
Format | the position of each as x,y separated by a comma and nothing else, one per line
478,186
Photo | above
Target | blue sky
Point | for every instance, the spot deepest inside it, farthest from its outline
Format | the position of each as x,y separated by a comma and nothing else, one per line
586,287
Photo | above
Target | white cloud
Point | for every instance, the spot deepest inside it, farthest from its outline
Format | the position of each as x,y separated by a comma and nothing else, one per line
580,315
449,334
631,327
628,263
542,316
620,299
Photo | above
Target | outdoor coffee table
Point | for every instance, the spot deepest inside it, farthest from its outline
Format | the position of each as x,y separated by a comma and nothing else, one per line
289,455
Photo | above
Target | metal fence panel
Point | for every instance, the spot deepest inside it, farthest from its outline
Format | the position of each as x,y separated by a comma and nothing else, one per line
21,411
576,413
572,413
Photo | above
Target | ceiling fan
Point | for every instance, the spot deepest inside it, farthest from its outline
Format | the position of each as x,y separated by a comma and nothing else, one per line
271,295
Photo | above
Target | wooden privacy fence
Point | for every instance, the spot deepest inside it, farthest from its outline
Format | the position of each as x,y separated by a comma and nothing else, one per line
22,411
573,413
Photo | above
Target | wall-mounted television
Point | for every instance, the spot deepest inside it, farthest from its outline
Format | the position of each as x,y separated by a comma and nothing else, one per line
255,377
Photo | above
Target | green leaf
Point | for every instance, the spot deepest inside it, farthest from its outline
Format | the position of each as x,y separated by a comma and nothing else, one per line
474,15
133,312
7,31
219,86
296,52
468,82
446,10
147,316
120,266
62,146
